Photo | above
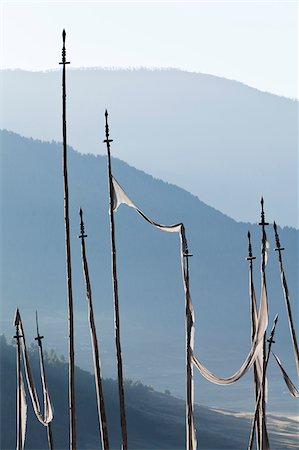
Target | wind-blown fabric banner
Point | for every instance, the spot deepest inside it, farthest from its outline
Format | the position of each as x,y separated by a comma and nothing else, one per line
258,364
291,387
256,348
23,413
290,317
119,197
48,410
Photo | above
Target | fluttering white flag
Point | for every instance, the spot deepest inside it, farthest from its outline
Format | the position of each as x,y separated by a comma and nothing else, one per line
290,316
257,344
23,412
120,197
291,387
47,417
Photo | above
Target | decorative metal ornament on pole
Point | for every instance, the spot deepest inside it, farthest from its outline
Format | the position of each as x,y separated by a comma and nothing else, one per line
43,377
72,411
115,295
94,341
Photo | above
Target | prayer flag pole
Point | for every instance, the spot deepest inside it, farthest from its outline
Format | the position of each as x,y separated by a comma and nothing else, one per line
43,377
263,224
253,310
18,336
115,295
279,249
190,430
68,259
270,342
94,341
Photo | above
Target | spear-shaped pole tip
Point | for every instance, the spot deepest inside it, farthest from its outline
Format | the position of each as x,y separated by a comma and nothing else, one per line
82,227
17,318
63,35
249,257
36,321
277,240
106,113
270,340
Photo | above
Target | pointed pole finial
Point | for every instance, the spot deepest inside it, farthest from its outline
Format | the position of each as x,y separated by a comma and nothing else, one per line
36,321
38,336
107,140
263,222
16,323
278,248
64,61
17,318
276,236
249,257
82,227
271,340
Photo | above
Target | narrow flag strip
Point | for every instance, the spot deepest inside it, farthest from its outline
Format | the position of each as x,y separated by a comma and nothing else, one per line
23,412
262,436
120,197
254,352
47,417
291,387
285,289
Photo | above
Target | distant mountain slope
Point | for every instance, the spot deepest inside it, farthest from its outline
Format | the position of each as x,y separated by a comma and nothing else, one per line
201,132
155,420
151,293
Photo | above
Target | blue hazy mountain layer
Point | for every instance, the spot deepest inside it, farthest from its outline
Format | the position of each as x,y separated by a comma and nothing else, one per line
151,295
154,420
201,132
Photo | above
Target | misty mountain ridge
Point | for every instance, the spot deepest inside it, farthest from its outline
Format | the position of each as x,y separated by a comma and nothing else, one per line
151,292
153,69
221,132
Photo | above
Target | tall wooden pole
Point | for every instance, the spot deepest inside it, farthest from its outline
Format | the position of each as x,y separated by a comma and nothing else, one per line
72,412
260,395
253,311
115,296
43,377
263,224
19,386
93,334
279,249
190,444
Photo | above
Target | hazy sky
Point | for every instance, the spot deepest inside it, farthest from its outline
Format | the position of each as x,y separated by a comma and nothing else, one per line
252,42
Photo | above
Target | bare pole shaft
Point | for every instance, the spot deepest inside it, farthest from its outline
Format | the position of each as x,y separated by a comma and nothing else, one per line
189,390
19,393
96,354
115,298
44,380
68,260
